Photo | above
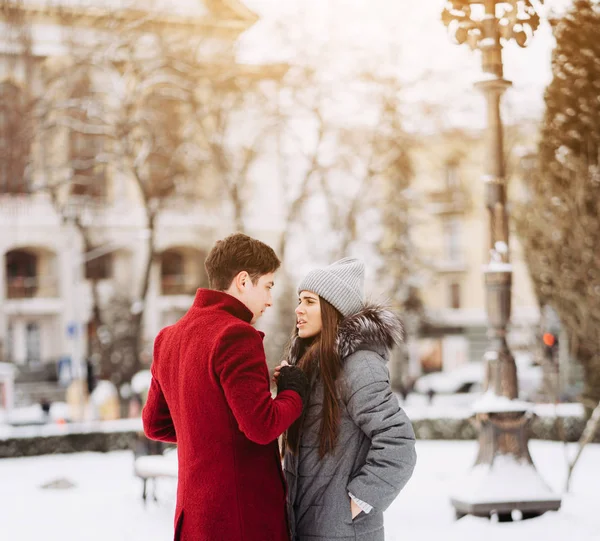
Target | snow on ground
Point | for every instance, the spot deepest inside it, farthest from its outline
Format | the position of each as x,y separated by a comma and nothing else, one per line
461,406
105,503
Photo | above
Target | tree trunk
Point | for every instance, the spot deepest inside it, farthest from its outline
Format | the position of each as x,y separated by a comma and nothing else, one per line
591,390
588,435
238,209
96,319
138,316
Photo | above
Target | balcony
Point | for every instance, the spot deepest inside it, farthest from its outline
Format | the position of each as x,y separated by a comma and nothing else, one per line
31,287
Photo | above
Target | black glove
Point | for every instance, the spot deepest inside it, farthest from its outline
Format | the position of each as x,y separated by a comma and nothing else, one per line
291,378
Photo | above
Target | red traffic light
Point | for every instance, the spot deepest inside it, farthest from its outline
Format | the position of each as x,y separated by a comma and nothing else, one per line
549,339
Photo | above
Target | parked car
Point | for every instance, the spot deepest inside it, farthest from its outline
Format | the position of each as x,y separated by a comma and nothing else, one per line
464,379
469,378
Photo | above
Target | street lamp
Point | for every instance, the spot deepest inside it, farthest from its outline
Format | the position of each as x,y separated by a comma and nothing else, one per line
504,481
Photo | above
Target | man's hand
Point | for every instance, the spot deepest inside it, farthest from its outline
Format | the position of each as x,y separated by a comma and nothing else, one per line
291,378
278,370
354,509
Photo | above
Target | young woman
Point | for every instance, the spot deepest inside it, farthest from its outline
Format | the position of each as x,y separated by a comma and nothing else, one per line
353,449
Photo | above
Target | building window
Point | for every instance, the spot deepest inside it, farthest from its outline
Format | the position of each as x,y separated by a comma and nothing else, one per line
14,140
454,294
99,268
172,273
33,343
452,240
182,271
21,274
452,176
10,344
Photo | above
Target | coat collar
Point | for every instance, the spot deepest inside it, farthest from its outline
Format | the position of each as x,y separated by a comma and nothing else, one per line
219,300
374,328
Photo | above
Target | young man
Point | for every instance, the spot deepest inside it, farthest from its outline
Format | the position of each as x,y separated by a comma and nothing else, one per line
210,395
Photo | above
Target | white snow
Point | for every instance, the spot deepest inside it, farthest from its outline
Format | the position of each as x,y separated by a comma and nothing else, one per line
460,406
490,403
506,480
501,247
487,42
141,381
34,414
164,465
452,380
565,410
105,390
57,429
497,266
105,502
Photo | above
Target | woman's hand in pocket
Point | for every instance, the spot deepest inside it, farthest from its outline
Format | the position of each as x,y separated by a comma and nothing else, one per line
354,509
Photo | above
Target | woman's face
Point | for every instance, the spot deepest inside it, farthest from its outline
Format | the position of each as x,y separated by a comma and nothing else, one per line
308,315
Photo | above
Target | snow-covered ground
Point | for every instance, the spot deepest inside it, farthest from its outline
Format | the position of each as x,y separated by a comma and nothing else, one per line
105,502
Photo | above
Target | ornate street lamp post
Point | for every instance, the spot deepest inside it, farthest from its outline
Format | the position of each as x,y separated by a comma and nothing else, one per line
504,480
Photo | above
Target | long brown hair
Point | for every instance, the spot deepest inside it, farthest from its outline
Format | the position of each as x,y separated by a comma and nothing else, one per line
319,358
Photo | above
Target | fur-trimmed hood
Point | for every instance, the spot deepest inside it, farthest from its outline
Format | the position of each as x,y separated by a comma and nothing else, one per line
374,327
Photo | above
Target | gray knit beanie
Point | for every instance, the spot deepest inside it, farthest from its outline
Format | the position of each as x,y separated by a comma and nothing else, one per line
341,284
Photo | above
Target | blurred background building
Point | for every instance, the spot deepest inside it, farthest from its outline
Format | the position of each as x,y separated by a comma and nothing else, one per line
74,221
132,136
450,237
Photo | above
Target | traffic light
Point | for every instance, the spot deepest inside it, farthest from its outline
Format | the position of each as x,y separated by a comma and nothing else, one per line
550,346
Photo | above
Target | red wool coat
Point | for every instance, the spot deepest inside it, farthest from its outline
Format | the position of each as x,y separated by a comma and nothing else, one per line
210,395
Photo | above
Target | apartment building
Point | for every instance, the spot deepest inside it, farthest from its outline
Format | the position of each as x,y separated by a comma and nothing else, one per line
451,237
47,271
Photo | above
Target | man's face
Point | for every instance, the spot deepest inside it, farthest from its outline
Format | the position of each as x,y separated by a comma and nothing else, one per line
258,297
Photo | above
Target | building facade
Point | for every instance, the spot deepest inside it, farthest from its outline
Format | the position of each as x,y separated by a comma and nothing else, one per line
52,277
450,233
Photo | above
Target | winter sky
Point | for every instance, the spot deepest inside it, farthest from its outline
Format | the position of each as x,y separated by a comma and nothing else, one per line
407,39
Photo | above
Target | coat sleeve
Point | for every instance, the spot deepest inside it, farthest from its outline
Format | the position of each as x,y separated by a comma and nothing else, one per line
241,367
156,417
391,458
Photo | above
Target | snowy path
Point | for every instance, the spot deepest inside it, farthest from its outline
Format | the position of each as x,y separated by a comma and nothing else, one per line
106,505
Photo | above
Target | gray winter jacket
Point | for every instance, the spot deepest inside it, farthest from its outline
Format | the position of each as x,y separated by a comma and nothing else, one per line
375,453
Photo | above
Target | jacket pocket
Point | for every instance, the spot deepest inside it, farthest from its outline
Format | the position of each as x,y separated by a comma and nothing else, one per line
369,526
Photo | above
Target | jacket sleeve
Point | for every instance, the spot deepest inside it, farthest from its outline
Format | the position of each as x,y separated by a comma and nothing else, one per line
391,458
156,417
241,367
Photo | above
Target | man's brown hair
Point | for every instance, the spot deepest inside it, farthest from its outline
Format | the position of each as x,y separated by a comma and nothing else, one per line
237,253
